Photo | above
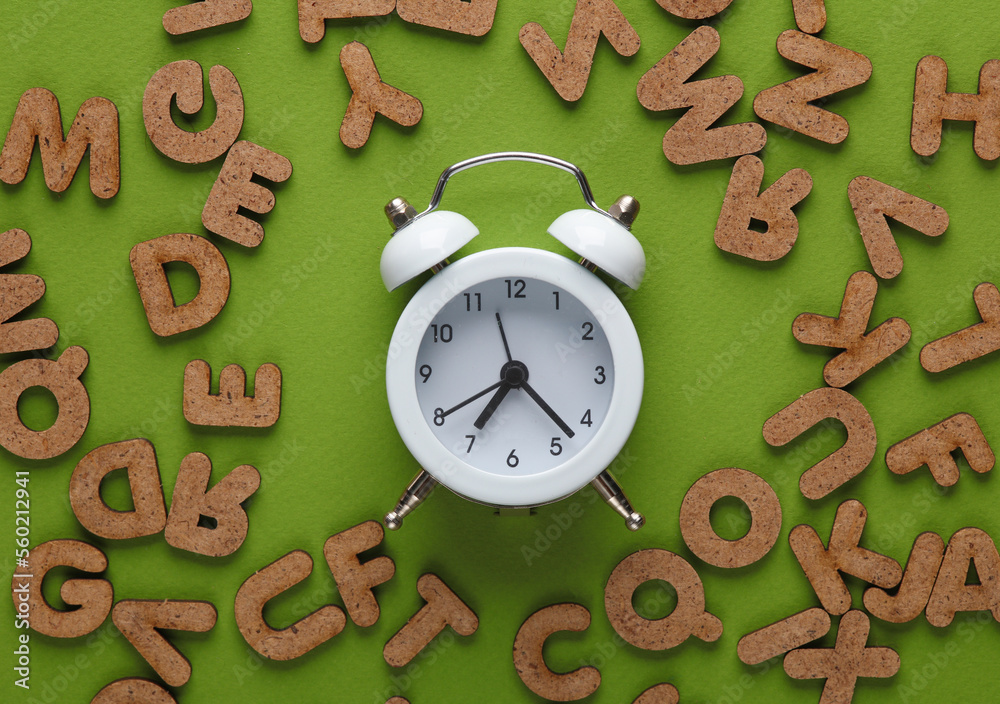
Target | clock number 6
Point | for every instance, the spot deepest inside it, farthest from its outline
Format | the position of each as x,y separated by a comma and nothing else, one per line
512,459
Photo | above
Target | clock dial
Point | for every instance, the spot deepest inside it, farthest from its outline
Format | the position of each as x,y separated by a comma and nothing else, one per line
514,376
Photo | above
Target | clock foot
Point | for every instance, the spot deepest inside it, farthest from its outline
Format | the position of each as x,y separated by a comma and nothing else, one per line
418,490
609,490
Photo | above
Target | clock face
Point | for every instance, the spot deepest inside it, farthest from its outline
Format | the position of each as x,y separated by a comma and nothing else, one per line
528,427
514,376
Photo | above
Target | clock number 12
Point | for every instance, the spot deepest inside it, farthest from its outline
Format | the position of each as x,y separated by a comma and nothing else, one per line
515,288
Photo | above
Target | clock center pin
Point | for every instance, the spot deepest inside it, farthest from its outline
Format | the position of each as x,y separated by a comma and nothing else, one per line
514,373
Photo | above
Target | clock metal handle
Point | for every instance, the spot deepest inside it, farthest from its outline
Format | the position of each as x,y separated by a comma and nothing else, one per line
530,157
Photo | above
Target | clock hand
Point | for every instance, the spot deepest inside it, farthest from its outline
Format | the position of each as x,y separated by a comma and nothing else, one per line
491,407
513,375
471,399
548,409
505,386
503,337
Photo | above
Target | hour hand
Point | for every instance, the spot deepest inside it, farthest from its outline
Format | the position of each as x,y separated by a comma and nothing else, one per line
492,406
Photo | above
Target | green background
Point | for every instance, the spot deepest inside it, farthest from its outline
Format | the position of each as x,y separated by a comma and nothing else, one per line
334,458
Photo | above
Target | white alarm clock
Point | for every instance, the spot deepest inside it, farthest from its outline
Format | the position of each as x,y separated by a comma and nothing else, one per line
516,374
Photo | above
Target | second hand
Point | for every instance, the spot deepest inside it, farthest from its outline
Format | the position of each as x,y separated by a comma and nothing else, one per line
471,399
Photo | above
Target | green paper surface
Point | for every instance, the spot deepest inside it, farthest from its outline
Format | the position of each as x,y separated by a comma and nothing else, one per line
716,333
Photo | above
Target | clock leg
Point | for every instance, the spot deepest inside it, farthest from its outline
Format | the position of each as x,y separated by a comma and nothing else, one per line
609,490
418,490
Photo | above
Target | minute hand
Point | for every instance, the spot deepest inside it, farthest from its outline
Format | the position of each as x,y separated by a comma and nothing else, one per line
548,409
